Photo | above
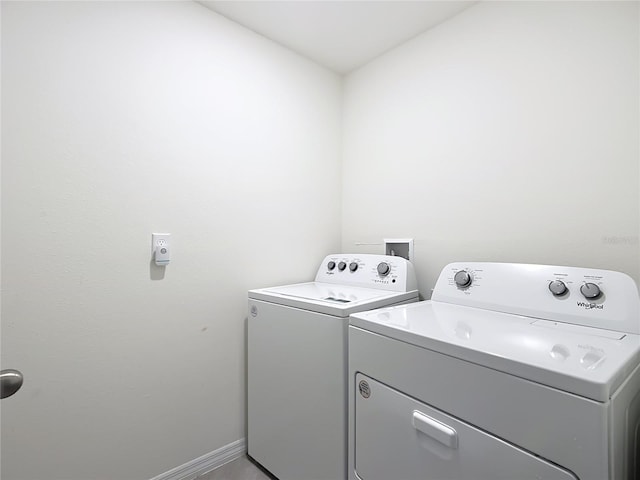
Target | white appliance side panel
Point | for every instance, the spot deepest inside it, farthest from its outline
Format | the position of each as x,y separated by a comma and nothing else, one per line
297,364
625,430
565,429
399,437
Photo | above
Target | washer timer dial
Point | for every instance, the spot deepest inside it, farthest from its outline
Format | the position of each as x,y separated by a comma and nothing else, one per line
463,279
383,269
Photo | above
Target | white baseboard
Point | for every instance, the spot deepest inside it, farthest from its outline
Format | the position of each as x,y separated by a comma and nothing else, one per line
206,463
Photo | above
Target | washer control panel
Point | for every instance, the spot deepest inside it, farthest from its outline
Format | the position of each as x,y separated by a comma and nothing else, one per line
383,272
582,296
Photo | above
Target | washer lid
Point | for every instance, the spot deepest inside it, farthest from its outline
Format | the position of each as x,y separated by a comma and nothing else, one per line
586,361
331,299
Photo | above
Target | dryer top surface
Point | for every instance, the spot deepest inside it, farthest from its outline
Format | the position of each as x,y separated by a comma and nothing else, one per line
586,361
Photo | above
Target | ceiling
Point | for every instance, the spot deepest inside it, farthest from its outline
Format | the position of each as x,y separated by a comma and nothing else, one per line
342,35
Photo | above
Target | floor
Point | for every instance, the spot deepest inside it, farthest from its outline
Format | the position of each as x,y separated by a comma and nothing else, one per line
240,469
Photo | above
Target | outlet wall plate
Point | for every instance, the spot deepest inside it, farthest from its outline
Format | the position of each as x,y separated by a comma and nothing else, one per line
161,248
160,240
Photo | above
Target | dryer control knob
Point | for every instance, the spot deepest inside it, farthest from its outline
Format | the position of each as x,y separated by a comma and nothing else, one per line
353,266
558,287
331,265
342,266
463,279
383,269
590,291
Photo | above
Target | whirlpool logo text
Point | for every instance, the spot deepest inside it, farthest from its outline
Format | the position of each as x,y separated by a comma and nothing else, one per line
590,306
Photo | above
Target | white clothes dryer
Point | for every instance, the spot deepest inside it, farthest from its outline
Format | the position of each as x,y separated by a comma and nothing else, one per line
514,372
297,362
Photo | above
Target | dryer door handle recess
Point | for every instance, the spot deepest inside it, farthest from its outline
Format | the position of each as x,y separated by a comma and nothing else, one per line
435,429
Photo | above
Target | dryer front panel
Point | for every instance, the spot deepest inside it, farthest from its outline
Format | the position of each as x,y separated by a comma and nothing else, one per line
399,437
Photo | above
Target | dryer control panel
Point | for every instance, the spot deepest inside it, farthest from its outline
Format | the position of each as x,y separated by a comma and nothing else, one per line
582,296
384,272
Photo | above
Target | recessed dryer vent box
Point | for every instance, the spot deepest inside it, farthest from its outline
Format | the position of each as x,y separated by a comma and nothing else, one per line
401,247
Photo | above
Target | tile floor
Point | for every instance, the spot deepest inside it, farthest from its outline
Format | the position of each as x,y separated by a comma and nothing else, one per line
240,469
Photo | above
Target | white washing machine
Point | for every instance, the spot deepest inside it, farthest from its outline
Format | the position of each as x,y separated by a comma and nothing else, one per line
510,372
297,362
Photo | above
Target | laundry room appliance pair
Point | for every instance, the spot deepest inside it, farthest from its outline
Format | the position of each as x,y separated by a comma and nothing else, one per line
297,362
512,372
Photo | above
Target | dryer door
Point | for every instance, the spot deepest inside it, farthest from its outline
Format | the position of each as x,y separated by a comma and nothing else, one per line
399,437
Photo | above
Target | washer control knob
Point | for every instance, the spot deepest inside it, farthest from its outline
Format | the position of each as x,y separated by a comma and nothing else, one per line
353,266
331,265
463,279
590,291
383,269
558,287
342,266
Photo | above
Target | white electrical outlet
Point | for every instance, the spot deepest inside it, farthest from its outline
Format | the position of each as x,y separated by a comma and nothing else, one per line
161,247
160,239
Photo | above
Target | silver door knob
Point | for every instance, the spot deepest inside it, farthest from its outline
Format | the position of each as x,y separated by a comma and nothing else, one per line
10,382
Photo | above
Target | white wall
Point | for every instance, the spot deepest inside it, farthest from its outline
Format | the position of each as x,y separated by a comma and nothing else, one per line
508,133
120,119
